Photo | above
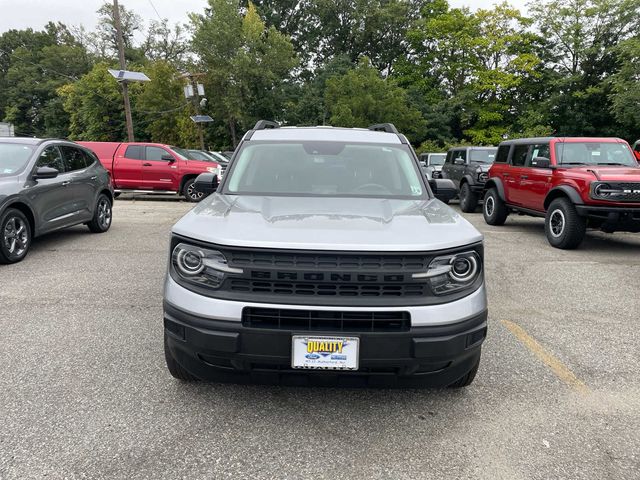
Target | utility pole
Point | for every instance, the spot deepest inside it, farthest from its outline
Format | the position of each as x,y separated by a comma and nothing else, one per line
192,79
123,65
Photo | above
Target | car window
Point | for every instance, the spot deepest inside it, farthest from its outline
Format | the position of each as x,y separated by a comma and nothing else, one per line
156,154
519,157
460,154
52,158
541,150
436,159
482,155
135,152
325,169
594,153
74,158
14,158
503,154
450,157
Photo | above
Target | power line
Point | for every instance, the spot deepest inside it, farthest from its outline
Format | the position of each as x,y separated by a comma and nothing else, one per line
156,10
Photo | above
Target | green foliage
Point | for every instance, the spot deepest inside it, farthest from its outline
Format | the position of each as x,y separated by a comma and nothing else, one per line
246,63
361,98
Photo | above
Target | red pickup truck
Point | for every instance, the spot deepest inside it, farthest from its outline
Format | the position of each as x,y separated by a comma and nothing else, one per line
151,168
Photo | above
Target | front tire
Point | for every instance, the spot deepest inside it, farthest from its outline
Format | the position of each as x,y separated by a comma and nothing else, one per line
468,199
15,236
468,378
175,369
563,226
190,193
102,216
494,210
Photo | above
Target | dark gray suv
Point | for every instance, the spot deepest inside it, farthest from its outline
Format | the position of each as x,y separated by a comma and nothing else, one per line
468,167
46,185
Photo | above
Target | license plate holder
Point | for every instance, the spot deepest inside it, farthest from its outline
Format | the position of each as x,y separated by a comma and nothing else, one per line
318,352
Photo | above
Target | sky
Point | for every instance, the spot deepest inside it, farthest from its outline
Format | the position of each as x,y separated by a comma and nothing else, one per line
21,14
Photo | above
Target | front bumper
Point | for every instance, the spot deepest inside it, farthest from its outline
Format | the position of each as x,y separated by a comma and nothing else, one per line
435,354
612,218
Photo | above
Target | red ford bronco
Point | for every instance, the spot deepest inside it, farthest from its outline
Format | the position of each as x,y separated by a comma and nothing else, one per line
574,183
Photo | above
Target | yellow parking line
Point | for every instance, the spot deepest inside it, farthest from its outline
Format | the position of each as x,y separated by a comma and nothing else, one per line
559,368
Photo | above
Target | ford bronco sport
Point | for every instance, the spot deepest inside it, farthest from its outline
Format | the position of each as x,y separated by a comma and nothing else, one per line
574,183
323,257
468,167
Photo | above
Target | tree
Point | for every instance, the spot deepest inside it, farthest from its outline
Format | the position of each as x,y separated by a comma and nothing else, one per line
362,97
104,42
625,89
247,64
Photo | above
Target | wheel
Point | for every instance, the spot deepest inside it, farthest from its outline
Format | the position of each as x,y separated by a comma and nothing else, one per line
174,367
468,199
494,209
15,236
563,226
468,378
190,193
101,221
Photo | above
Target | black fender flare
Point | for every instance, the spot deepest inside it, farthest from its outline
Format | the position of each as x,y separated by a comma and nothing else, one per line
563,191
497,183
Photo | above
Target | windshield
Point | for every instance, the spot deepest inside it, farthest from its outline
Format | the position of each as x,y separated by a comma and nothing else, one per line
437,158
199,155
594,153
13,158
482,155
182,153
325,169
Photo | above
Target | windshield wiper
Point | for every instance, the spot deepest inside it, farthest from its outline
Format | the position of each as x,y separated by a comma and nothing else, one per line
572,163
611,163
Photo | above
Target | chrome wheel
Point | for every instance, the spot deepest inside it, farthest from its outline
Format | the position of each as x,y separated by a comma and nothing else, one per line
557,223
104,213
16,236
489,206
192,193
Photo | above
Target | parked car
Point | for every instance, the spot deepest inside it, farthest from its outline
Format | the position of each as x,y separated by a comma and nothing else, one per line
325,256
575,183
222,159
201,155
468,167
151,168
636,150
432,164
46,185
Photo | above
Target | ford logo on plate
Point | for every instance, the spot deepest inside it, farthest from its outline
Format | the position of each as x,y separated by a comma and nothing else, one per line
312,356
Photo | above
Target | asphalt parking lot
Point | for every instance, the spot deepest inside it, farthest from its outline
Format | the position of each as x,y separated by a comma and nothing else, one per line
84,392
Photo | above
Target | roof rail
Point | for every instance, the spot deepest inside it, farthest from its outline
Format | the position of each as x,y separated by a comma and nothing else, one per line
264,124
384,127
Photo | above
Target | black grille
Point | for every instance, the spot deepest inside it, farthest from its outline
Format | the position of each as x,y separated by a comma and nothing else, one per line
328,261
633,187
327,289
334,321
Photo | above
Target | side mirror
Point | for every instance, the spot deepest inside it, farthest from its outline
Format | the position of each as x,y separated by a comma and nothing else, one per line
541,162
458,161
444,189
168,158
45,172
206,183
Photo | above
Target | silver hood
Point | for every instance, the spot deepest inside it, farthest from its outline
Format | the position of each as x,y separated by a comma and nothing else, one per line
358,224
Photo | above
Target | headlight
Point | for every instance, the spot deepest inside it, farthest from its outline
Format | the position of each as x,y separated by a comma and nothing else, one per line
200,266
605,191
217,170
451,273
483,176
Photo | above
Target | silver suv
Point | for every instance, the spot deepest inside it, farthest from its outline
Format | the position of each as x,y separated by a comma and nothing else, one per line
325,258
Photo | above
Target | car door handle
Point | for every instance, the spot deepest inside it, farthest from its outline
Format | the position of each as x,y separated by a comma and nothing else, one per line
505,175
94,177
64,184
524,177
146,164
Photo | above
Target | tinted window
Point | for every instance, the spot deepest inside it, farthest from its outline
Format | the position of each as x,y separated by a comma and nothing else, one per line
13,158
541,150
449,157
135,152
156,153
482,155
594,153
519,157
326,169
74,158
637,147
51,158
503,154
